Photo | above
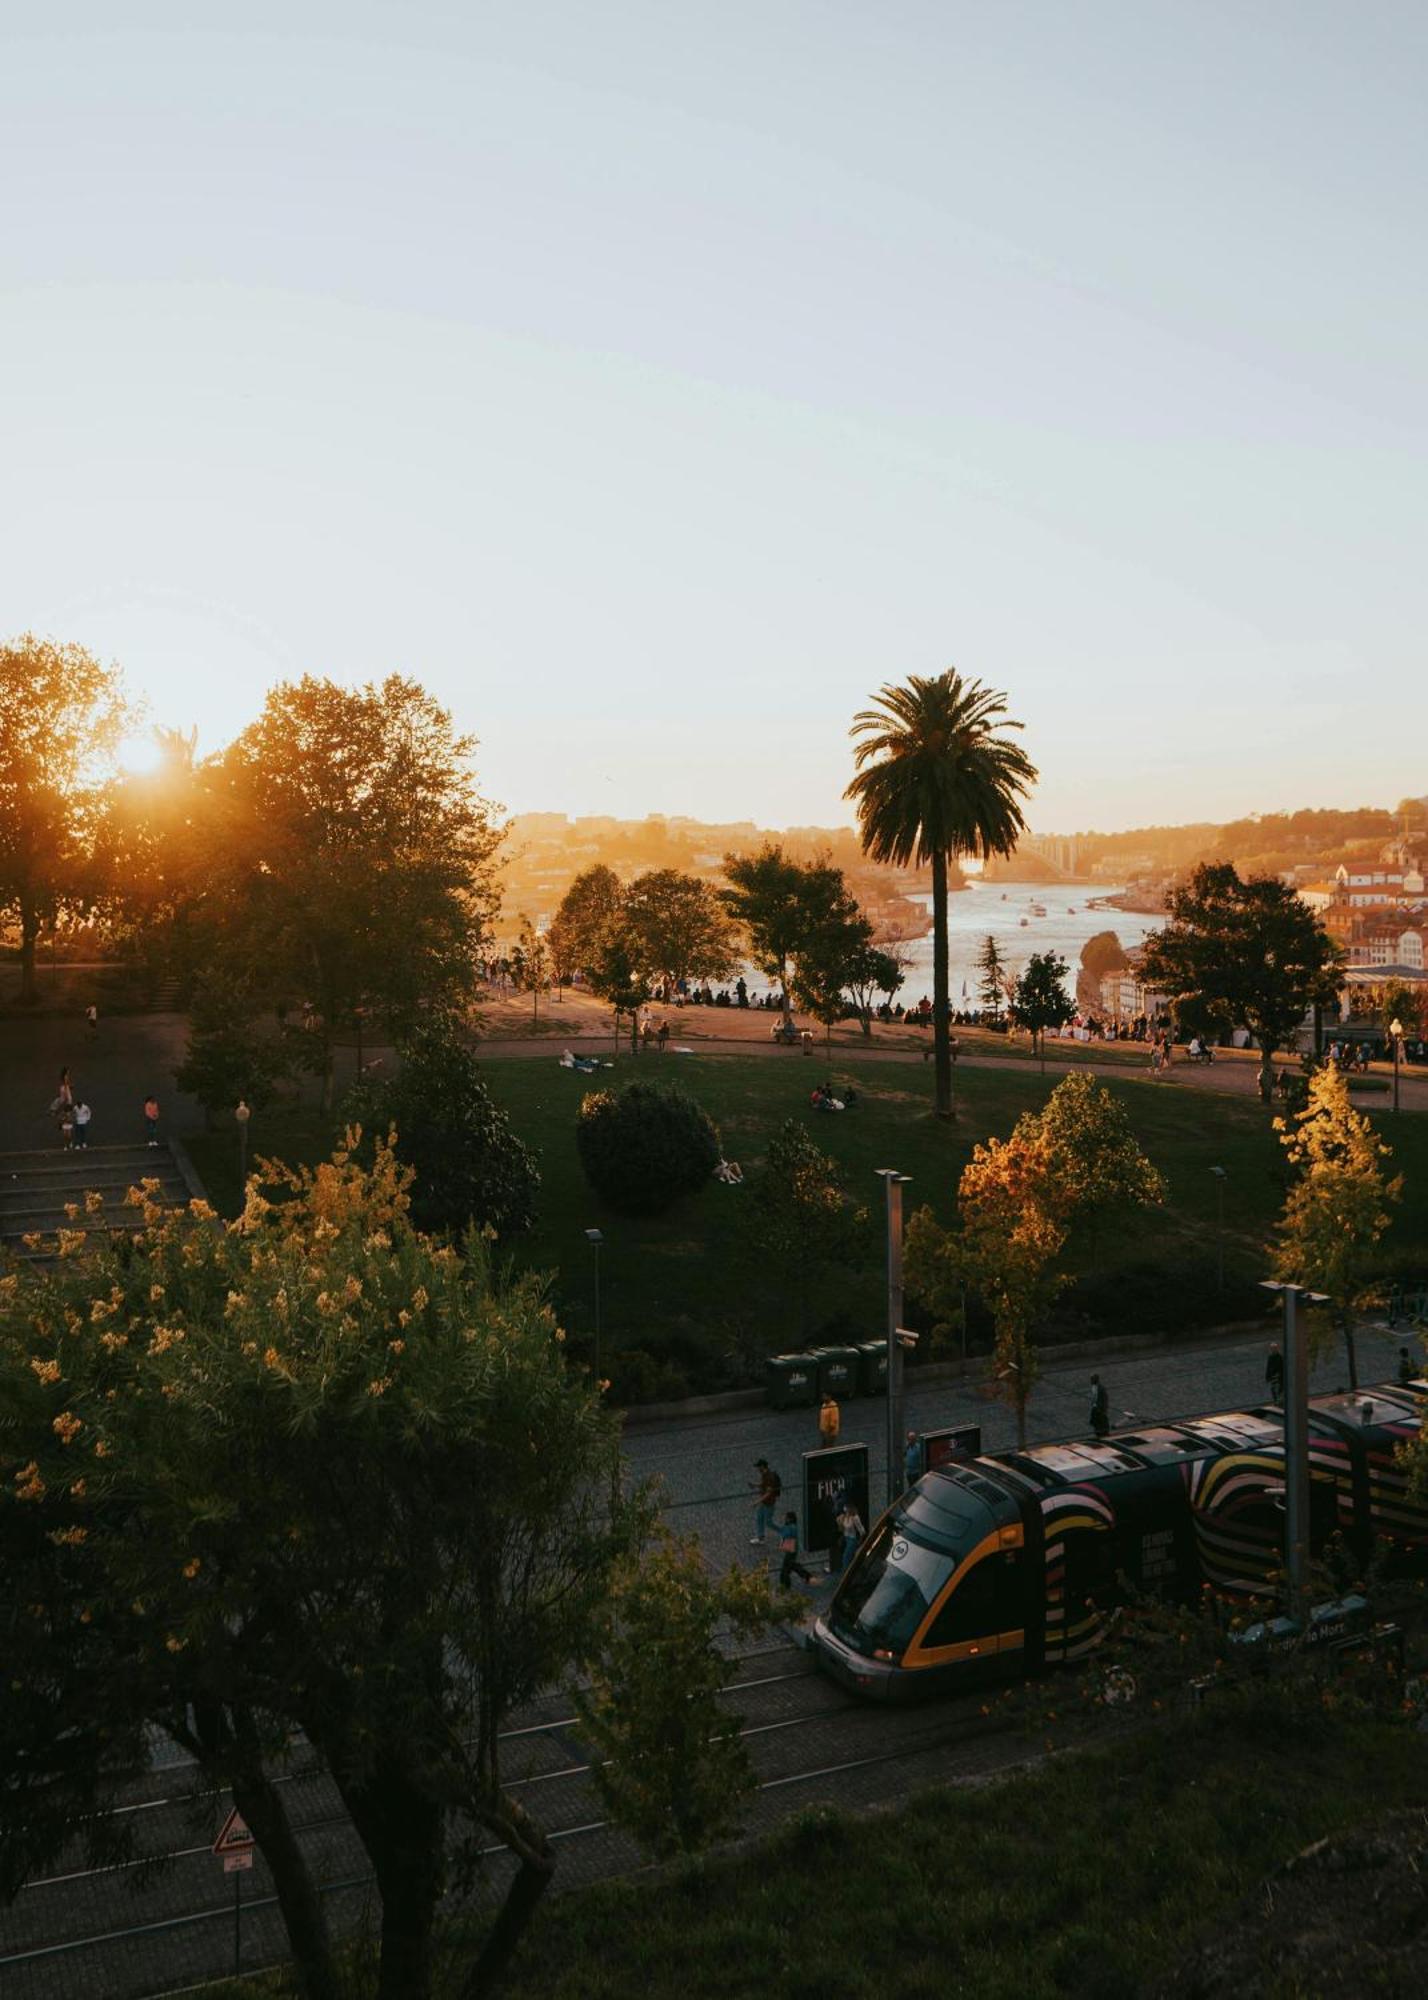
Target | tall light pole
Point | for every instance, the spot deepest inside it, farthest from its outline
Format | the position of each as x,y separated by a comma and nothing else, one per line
1220,1179
595,1239
1395,1028
1296,1441
242,1114
894,1183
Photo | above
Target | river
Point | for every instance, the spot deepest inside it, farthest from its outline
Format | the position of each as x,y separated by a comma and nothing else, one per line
998,908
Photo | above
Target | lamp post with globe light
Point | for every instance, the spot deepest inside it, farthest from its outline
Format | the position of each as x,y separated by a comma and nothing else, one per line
1395,1029
242,1114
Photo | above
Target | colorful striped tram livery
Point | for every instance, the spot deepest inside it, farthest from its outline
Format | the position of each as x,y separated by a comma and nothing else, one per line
1009,1563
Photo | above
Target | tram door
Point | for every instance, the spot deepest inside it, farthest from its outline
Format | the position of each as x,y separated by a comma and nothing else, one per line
983,1614
1080,1553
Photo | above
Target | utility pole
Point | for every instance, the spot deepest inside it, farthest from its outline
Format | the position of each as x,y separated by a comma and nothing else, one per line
894,1182
1296,1442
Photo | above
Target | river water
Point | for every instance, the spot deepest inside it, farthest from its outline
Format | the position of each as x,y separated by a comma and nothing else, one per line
1000,908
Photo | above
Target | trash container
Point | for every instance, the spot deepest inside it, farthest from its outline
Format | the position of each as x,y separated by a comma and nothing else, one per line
873,1367
792,1380
838,1371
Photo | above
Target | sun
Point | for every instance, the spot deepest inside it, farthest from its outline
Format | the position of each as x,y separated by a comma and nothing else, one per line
140,756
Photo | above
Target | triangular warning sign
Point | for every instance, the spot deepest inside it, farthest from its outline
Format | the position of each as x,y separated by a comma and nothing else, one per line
233,1835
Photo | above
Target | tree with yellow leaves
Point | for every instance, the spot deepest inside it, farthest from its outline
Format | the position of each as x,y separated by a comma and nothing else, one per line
1339,1204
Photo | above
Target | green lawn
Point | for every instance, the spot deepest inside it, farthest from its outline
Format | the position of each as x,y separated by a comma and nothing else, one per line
689,1305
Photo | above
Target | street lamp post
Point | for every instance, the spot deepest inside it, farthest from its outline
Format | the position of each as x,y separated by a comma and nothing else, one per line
1296,1440
1395,1028
595,1239
1220,1179
242,1114
898,1337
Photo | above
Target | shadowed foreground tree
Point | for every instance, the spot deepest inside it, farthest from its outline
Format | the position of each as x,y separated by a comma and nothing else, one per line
61,712
304,1473
1251,952
936,780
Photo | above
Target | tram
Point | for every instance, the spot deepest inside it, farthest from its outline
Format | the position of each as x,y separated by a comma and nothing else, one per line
1008,1564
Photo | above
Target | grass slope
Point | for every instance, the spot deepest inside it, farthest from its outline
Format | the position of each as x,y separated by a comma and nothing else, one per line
691,1305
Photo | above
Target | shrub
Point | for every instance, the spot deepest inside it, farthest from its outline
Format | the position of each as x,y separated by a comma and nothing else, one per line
470,1166
645,1146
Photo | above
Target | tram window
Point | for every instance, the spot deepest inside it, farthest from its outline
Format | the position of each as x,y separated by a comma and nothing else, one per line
982,1603
888,1591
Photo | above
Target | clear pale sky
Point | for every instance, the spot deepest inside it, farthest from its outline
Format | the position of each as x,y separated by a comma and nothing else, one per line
653,380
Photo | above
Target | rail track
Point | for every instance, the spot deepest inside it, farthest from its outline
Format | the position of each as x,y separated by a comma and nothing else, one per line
167,1919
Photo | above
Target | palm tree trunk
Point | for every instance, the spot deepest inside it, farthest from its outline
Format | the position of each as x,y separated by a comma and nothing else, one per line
941,1032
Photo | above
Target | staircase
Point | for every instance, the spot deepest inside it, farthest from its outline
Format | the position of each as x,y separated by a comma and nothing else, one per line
35,1188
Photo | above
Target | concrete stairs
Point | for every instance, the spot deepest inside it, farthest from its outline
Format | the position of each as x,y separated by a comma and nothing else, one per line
35,1187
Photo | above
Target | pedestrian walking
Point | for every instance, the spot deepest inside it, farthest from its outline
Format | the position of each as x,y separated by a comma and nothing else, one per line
91,1015
65,1094
851,1530
1100,1407
662,1036
768,1486
1274,1373
829,1420
1406,1370
788,1543
912,1459
66,1119
151,1118
82,1116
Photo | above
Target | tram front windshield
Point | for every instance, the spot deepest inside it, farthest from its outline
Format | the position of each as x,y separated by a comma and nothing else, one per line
889,1590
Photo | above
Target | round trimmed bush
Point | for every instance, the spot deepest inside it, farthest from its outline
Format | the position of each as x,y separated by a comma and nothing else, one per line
644,1146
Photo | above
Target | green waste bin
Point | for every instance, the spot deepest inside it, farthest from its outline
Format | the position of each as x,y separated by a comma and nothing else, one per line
792,1380
873,1367
839,1371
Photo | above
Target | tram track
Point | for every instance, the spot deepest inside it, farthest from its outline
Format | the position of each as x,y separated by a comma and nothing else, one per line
807,1739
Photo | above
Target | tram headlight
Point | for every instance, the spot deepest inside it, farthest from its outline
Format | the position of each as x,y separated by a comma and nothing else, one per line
882,1653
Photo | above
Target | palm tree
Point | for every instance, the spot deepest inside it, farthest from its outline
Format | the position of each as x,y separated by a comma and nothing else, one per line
935,779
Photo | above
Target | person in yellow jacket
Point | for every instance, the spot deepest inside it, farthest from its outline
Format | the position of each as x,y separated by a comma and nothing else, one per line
828,1420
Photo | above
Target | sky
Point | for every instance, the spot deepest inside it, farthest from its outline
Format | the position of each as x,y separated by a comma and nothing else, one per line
654,381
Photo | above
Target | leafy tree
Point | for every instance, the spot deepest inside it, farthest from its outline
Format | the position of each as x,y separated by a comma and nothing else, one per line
832,955
357,867
936,780
645,1146
991,990
470,1170
667,1759
60,712
1103,953
1040,1001
782,905
1397,1001
304,1473
535,964
800,1221
577,932
1338,1205
235,1051
871,969
680,927
1249,950
1022,1202
619,975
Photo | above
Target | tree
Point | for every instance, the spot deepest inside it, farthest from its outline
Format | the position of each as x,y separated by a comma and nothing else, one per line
679,926
577,932
1102,954
873,968
357,867
60,713
833,954
535,964
800,1221
1022,1203
307,1473
236,1051
470,1170
991,990
1040,1001
646,1146
667,1759
618,974
1338,1206
936,780
1249,950
782,905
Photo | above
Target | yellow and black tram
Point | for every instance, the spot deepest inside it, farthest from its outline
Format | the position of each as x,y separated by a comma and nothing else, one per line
1010,1563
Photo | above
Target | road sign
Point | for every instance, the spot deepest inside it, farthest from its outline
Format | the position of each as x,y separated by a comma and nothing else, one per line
234,1836
241,1857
